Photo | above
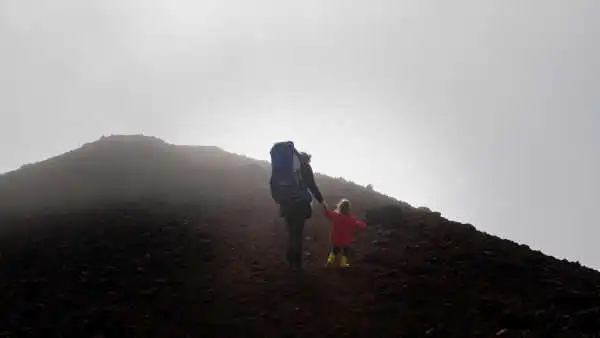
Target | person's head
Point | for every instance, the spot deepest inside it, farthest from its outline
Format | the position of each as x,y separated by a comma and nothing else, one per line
305,157
343,207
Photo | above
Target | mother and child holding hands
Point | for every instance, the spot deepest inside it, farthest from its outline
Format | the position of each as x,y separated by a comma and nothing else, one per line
293,188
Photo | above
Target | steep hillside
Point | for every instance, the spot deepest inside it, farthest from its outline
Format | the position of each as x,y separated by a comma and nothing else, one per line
134,168
131,236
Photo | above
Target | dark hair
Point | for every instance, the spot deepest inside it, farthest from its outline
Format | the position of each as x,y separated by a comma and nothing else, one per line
305,157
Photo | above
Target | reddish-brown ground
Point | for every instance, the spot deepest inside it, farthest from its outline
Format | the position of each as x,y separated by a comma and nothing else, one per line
162,241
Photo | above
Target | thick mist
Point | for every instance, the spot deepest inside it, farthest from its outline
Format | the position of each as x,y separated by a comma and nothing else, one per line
483,110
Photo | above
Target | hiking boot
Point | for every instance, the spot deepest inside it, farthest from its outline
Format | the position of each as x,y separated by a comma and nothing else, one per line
344,262
330,259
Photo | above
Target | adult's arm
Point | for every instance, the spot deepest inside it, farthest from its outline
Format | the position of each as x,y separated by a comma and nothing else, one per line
309,178
328,213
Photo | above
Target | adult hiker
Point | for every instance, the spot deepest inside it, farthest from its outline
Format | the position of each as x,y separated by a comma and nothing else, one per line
293,187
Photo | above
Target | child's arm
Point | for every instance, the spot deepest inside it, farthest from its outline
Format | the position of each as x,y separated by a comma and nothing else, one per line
360,224
328,212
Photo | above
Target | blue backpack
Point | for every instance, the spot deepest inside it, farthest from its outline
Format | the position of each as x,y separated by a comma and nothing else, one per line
286,178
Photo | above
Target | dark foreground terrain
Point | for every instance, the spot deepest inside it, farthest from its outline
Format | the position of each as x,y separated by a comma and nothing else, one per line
158,255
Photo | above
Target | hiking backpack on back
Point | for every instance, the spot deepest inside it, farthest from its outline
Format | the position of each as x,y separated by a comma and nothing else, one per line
286,180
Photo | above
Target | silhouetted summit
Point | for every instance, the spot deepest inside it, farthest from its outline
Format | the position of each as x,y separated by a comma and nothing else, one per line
132,236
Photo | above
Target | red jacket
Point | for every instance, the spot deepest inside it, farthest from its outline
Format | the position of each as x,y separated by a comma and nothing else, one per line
342,227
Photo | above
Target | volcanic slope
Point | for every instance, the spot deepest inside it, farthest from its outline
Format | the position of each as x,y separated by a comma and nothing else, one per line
131,236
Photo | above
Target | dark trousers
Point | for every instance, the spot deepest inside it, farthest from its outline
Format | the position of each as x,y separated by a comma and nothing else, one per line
295,228
337,249
295,215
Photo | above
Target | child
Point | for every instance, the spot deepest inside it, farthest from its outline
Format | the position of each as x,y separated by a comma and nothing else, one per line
342,226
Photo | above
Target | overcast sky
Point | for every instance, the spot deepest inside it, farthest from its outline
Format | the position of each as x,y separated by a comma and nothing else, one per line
488,111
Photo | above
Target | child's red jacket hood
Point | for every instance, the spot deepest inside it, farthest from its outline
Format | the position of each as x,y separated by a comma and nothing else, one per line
342,227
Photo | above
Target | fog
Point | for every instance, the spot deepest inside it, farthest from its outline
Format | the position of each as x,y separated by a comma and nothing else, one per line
484,110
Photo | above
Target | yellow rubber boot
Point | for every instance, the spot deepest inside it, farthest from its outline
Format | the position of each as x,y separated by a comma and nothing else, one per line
344,262
330,259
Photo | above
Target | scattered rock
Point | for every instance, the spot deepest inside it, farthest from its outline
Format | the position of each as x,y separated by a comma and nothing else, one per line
388,233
